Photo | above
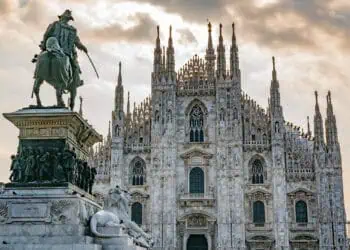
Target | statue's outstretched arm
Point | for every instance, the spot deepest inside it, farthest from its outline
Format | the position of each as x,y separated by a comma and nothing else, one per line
80,45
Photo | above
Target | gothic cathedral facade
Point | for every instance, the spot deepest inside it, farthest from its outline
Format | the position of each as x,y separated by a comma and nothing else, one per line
209,168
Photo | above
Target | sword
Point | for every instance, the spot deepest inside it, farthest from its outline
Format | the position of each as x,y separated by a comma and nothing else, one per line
92,64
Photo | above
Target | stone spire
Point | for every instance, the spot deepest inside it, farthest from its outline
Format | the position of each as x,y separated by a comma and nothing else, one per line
210,55
170,56
119,92
308,126
128,105
157,62
128,112
318,125
234,59
109,135
81,106
275,99
221,60
163,61
331,124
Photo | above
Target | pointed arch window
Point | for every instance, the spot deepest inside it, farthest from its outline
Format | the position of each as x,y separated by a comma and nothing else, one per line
197,181
257,172
258,212
136,213
196,124
301,212
138,173
117,130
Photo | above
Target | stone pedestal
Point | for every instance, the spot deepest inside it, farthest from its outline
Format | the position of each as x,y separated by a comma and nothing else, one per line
41,208
122,242
46,217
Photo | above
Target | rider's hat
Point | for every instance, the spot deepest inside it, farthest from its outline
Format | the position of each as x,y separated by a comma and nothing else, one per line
67,13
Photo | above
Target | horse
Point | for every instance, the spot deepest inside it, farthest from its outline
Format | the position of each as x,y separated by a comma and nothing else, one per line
54,67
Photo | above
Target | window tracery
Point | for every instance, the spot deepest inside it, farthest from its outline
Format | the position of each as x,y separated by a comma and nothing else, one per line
257,172
196,124
138,173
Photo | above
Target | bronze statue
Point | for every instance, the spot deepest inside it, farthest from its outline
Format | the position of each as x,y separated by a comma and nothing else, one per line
15,168
29,171
57,63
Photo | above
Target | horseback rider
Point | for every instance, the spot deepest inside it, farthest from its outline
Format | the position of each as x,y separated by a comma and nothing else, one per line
68,40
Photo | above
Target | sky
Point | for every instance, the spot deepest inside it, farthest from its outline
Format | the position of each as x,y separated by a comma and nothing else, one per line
309,38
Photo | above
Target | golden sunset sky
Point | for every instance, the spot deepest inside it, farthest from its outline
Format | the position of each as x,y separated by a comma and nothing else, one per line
309,38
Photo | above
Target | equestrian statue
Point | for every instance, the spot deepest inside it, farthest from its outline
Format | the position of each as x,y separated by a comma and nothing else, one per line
57,64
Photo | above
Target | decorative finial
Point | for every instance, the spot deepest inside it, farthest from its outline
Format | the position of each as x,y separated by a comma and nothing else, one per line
157,31
209,27
308,126
316,96
220,29
170,31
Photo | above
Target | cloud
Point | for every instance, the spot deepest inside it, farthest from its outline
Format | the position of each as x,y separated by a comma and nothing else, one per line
8,6
277,24
186,37
142,31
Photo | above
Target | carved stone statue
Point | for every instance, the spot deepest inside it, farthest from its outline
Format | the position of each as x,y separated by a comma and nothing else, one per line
115,213
57,64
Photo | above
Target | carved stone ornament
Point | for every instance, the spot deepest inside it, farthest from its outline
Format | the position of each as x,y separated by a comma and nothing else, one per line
197,221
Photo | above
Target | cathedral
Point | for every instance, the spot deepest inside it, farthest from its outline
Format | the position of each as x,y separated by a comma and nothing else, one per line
208,168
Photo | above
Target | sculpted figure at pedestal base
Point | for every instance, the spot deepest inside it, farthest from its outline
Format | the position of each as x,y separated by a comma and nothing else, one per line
115,213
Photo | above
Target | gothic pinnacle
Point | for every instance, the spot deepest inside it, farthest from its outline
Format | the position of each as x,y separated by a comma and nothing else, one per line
233,34
317,108
308,126
120,74
210,40
274,73
128,104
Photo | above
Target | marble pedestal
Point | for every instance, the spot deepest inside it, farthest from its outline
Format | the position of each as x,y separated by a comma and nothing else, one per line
46,217
122,242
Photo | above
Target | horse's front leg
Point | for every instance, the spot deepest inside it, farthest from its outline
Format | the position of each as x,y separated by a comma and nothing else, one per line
36,89
60,102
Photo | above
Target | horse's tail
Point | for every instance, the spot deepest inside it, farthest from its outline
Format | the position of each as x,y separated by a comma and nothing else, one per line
93,228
